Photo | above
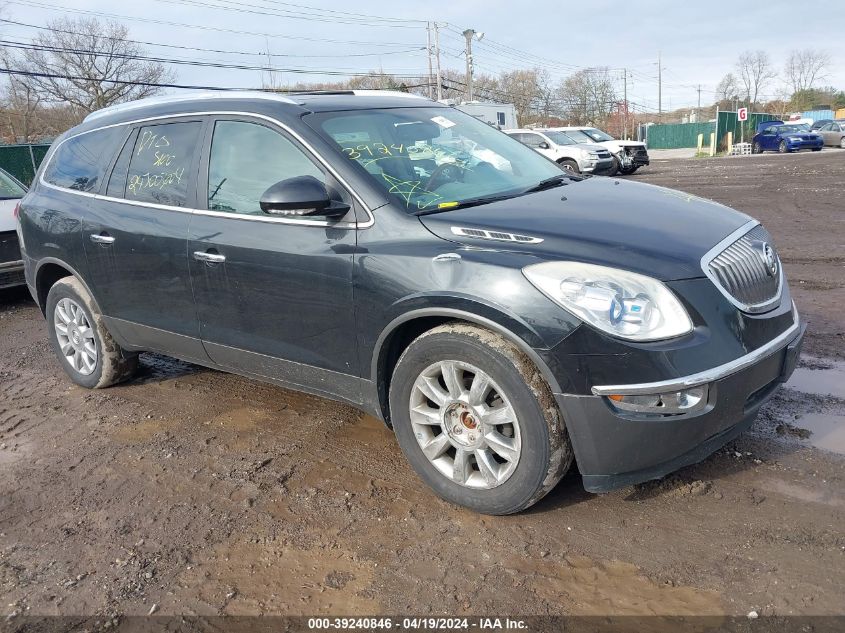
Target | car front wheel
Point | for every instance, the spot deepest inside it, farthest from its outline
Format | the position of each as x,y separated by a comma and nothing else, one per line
755,148
782,148
842,142
85,348
570,166
476,421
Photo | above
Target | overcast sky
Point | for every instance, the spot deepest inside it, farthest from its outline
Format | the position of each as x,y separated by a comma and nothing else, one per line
698,42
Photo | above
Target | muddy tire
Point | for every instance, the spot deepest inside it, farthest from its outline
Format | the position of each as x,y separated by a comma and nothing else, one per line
83,345
476,420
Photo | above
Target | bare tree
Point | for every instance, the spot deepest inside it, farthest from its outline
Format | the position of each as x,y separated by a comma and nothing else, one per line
589,96
804,67
728,88
522,89
755,72
89,64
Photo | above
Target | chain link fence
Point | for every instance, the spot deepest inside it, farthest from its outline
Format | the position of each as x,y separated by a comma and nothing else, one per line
22,161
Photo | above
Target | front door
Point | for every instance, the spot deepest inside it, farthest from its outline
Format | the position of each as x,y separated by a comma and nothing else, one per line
273,294
136,239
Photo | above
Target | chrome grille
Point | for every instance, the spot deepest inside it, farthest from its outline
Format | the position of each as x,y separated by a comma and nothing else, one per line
743,274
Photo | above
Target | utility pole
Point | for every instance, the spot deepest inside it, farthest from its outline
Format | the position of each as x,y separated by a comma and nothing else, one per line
698,110
428,50
625,115
659,87
437,61
468,35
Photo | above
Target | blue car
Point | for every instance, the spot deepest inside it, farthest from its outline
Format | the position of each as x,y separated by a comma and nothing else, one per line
777,136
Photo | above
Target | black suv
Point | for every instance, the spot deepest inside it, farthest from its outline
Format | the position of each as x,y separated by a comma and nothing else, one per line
501,315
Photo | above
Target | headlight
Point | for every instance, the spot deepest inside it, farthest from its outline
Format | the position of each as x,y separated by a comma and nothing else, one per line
619,302
585,153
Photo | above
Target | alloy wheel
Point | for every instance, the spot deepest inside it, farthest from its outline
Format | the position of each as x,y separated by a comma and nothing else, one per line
75,336
465,424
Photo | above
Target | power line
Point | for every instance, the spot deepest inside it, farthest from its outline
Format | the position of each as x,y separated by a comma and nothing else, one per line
207,50
203,27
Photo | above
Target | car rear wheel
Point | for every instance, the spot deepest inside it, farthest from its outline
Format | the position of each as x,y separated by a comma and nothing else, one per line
85,348
782,148
476,421
570,166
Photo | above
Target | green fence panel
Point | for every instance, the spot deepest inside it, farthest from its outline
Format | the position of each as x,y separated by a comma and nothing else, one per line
22,160
729,122
678,135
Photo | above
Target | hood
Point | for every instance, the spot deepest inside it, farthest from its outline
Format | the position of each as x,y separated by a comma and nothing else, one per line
643,228
590,147
800,134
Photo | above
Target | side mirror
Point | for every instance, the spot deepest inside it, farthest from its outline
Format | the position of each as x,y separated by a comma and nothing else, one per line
543,145
301,196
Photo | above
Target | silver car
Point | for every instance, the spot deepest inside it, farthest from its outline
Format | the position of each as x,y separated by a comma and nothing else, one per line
580,158
833,133
11,264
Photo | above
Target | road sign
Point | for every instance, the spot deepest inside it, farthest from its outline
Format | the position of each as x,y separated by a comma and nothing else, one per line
742,114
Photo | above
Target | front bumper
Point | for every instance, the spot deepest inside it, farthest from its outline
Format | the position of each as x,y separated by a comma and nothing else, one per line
597,167
799,145
615,449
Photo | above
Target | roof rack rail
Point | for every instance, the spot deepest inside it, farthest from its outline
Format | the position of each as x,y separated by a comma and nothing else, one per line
195,96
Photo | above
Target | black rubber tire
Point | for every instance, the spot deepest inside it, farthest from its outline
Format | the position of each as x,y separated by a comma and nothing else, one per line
570,165
817,149
546,447
114,364
630,170
755,148
617,169
782,148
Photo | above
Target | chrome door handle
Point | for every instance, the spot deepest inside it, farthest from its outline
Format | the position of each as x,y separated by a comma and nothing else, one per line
213,258
102,239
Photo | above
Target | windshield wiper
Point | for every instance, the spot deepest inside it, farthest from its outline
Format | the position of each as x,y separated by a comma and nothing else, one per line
472,202
548,183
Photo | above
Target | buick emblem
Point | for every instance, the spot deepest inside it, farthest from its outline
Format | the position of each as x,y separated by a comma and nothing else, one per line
769,258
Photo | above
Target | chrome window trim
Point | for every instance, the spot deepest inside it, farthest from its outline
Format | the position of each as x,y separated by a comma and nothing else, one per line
710,255
221,214
709,375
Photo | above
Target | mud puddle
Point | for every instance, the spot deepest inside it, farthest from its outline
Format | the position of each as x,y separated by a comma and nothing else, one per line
821,377
824,379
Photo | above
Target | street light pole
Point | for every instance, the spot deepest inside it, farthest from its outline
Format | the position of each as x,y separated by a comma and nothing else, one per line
437,61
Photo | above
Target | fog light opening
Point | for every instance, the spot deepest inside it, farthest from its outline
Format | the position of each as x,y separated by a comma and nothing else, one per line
669,403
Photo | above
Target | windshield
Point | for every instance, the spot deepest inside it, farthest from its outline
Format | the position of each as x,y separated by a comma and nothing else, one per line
9,187
597,135
793,129
579,136
433,158
560,138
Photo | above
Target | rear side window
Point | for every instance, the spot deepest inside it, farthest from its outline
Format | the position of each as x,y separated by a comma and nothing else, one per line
117,181
80,162
160,163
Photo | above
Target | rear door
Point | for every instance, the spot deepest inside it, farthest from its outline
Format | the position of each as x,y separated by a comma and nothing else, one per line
273,294
136,238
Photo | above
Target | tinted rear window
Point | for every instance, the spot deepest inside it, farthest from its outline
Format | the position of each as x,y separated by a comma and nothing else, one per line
80,162
160,165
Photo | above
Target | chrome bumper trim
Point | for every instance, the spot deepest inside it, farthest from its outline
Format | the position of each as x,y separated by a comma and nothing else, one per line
709,375
11,265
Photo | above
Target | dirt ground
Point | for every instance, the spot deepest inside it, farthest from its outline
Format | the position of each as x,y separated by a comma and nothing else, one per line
188,491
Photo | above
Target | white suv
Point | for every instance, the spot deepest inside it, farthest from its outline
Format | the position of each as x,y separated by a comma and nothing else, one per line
586,158
11,263
628,155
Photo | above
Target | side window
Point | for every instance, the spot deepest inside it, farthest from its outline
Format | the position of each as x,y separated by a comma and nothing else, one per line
500,117
117,180
81,161
532,140
158,167
245,160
